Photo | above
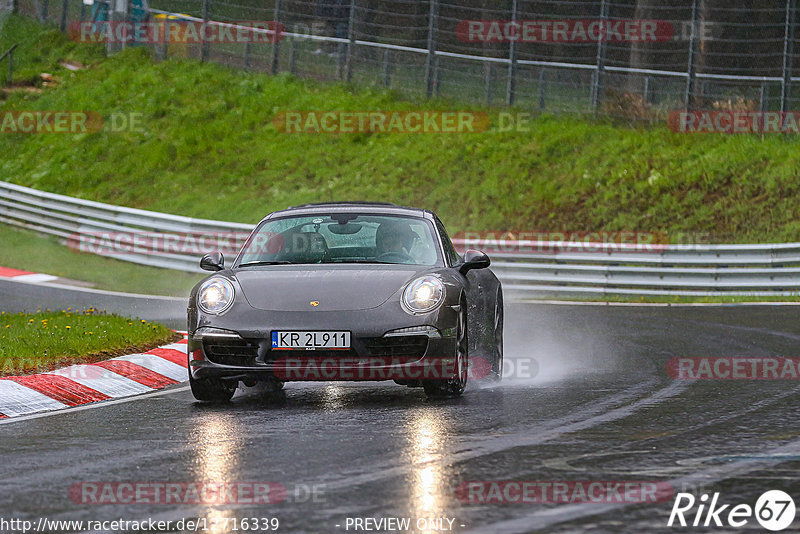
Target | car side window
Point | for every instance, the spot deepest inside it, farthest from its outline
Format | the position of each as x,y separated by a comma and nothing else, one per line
449,251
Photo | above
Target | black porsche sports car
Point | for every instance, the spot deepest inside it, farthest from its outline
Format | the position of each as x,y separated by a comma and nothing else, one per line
346,291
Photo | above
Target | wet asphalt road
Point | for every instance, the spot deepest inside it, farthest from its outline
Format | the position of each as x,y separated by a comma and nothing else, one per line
600,407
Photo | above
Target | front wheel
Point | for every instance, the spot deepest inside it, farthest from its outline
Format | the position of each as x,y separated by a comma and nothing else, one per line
453,387
212,389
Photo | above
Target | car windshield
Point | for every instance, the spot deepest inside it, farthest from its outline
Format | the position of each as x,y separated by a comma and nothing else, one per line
342,238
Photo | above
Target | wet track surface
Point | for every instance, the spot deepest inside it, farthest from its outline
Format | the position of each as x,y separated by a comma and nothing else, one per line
600,408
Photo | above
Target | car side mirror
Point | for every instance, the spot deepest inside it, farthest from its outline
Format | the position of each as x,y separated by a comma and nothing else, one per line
474,259
213,262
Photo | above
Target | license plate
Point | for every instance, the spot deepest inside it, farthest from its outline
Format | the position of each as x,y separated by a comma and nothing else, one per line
310,340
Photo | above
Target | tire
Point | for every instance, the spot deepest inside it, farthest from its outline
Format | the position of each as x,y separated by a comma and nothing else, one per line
453,387
212,389
496,373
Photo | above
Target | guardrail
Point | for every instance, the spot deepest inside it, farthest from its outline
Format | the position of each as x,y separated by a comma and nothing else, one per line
647,269
168,241
531,268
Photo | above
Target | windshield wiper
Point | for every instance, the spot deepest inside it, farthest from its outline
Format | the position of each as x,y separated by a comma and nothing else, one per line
254,263
351,261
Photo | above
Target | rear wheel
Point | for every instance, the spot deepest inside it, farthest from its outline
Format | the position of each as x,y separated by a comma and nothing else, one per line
453,387
212,389
496,373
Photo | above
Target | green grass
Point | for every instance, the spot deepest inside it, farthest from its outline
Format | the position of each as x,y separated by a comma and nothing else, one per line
208,149
26,250
39,342
40,50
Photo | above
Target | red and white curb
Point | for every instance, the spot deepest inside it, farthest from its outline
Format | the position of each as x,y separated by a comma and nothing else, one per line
124,376
26,276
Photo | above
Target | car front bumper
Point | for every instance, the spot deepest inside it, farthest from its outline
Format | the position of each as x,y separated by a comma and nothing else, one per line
378,352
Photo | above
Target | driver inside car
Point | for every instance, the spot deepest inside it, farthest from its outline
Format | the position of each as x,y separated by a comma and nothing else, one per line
395,240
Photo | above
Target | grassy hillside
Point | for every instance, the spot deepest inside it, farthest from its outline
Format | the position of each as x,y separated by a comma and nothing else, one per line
208,149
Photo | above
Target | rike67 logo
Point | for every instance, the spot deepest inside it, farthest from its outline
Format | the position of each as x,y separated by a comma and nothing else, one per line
775,510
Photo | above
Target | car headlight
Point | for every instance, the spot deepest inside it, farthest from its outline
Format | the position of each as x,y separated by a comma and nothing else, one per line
423,295
215,296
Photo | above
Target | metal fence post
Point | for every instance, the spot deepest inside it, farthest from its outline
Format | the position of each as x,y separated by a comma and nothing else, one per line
166,39
597,79
437,75
247,54
430,63
788,52
489,82
351,37
763,106
542,88
45,10
387,67
511,88
205,46
125,18
64,8
165,49
691,73
276,43
117,13
292,55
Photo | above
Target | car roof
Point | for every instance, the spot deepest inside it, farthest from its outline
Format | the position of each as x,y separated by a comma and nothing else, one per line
373,208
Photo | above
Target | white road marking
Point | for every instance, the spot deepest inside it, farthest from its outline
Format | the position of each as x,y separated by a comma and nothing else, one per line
158,365
92,406
35,278
102,380
16,399
180,347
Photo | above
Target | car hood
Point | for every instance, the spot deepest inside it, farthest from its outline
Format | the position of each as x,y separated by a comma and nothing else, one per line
335,288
